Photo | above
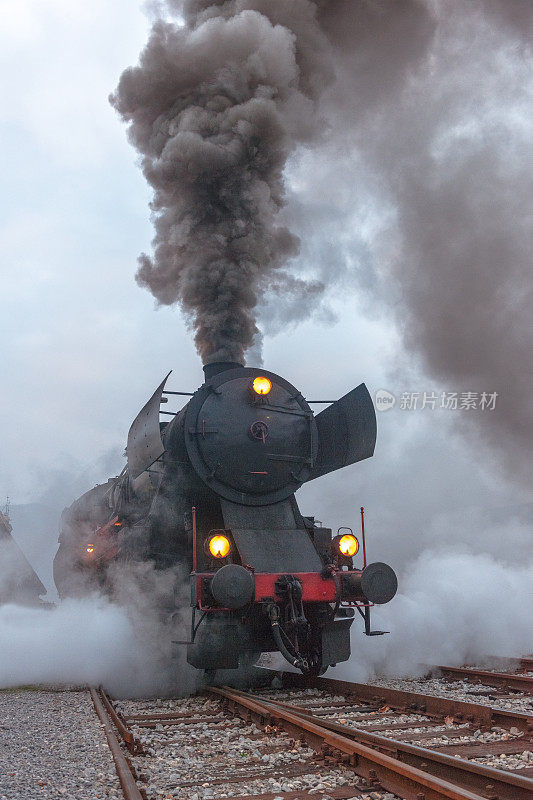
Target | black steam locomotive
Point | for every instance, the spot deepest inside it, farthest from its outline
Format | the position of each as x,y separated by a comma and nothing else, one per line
212,491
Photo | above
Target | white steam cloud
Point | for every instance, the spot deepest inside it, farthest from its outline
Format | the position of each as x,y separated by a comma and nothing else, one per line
122,640
87,641
451,609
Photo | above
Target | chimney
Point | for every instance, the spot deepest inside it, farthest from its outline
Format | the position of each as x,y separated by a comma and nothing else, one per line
210,370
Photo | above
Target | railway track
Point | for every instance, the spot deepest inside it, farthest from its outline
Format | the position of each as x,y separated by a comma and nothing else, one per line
512,681
526,664
335,740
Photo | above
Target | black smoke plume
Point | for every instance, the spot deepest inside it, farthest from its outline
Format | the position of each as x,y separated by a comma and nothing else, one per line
216,107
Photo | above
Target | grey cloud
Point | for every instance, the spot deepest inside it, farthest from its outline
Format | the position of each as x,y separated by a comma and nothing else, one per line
453,149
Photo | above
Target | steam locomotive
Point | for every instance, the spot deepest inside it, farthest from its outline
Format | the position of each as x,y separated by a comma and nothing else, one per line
211,493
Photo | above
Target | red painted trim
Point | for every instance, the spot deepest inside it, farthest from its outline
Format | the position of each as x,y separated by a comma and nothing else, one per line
194,555
363,534
316,589
105,542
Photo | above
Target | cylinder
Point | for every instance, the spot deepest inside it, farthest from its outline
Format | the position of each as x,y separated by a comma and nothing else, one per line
376,583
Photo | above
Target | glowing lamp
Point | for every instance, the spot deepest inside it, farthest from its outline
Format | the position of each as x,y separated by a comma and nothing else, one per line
90,549
348,545
219,546
261,385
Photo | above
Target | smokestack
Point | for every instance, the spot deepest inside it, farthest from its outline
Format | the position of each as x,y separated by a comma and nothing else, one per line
210,370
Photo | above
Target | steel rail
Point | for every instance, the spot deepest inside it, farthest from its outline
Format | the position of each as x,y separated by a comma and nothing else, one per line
484,716
477,777
124,771
377,768
522,683
133,745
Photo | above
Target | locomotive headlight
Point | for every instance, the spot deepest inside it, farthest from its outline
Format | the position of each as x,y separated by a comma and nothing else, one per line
90,549
348,545
261,385
219,546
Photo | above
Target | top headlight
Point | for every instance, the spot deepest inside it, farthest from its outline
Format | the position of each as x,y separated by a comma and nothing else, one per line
261,385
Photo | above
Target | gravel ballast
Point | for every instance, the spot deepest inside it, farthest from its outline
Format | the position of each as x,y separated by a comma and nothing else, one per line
221,756
53,746
459,690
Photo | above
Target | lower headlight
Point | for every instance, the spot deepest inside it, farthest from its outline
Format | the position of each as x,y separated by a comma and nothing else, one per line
347,545
219,546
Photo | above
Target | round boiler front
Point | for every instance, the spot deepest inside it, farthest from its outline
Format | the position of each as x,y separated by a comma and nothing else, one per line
252,447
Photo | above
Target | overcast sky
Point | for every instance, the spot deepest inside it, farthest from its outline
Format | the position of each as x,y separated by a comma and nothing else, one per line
83,346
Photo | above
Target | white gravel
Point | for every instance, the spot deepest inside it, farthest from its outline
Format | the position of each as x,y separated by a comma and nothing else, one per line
512,761
52,747
458,690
